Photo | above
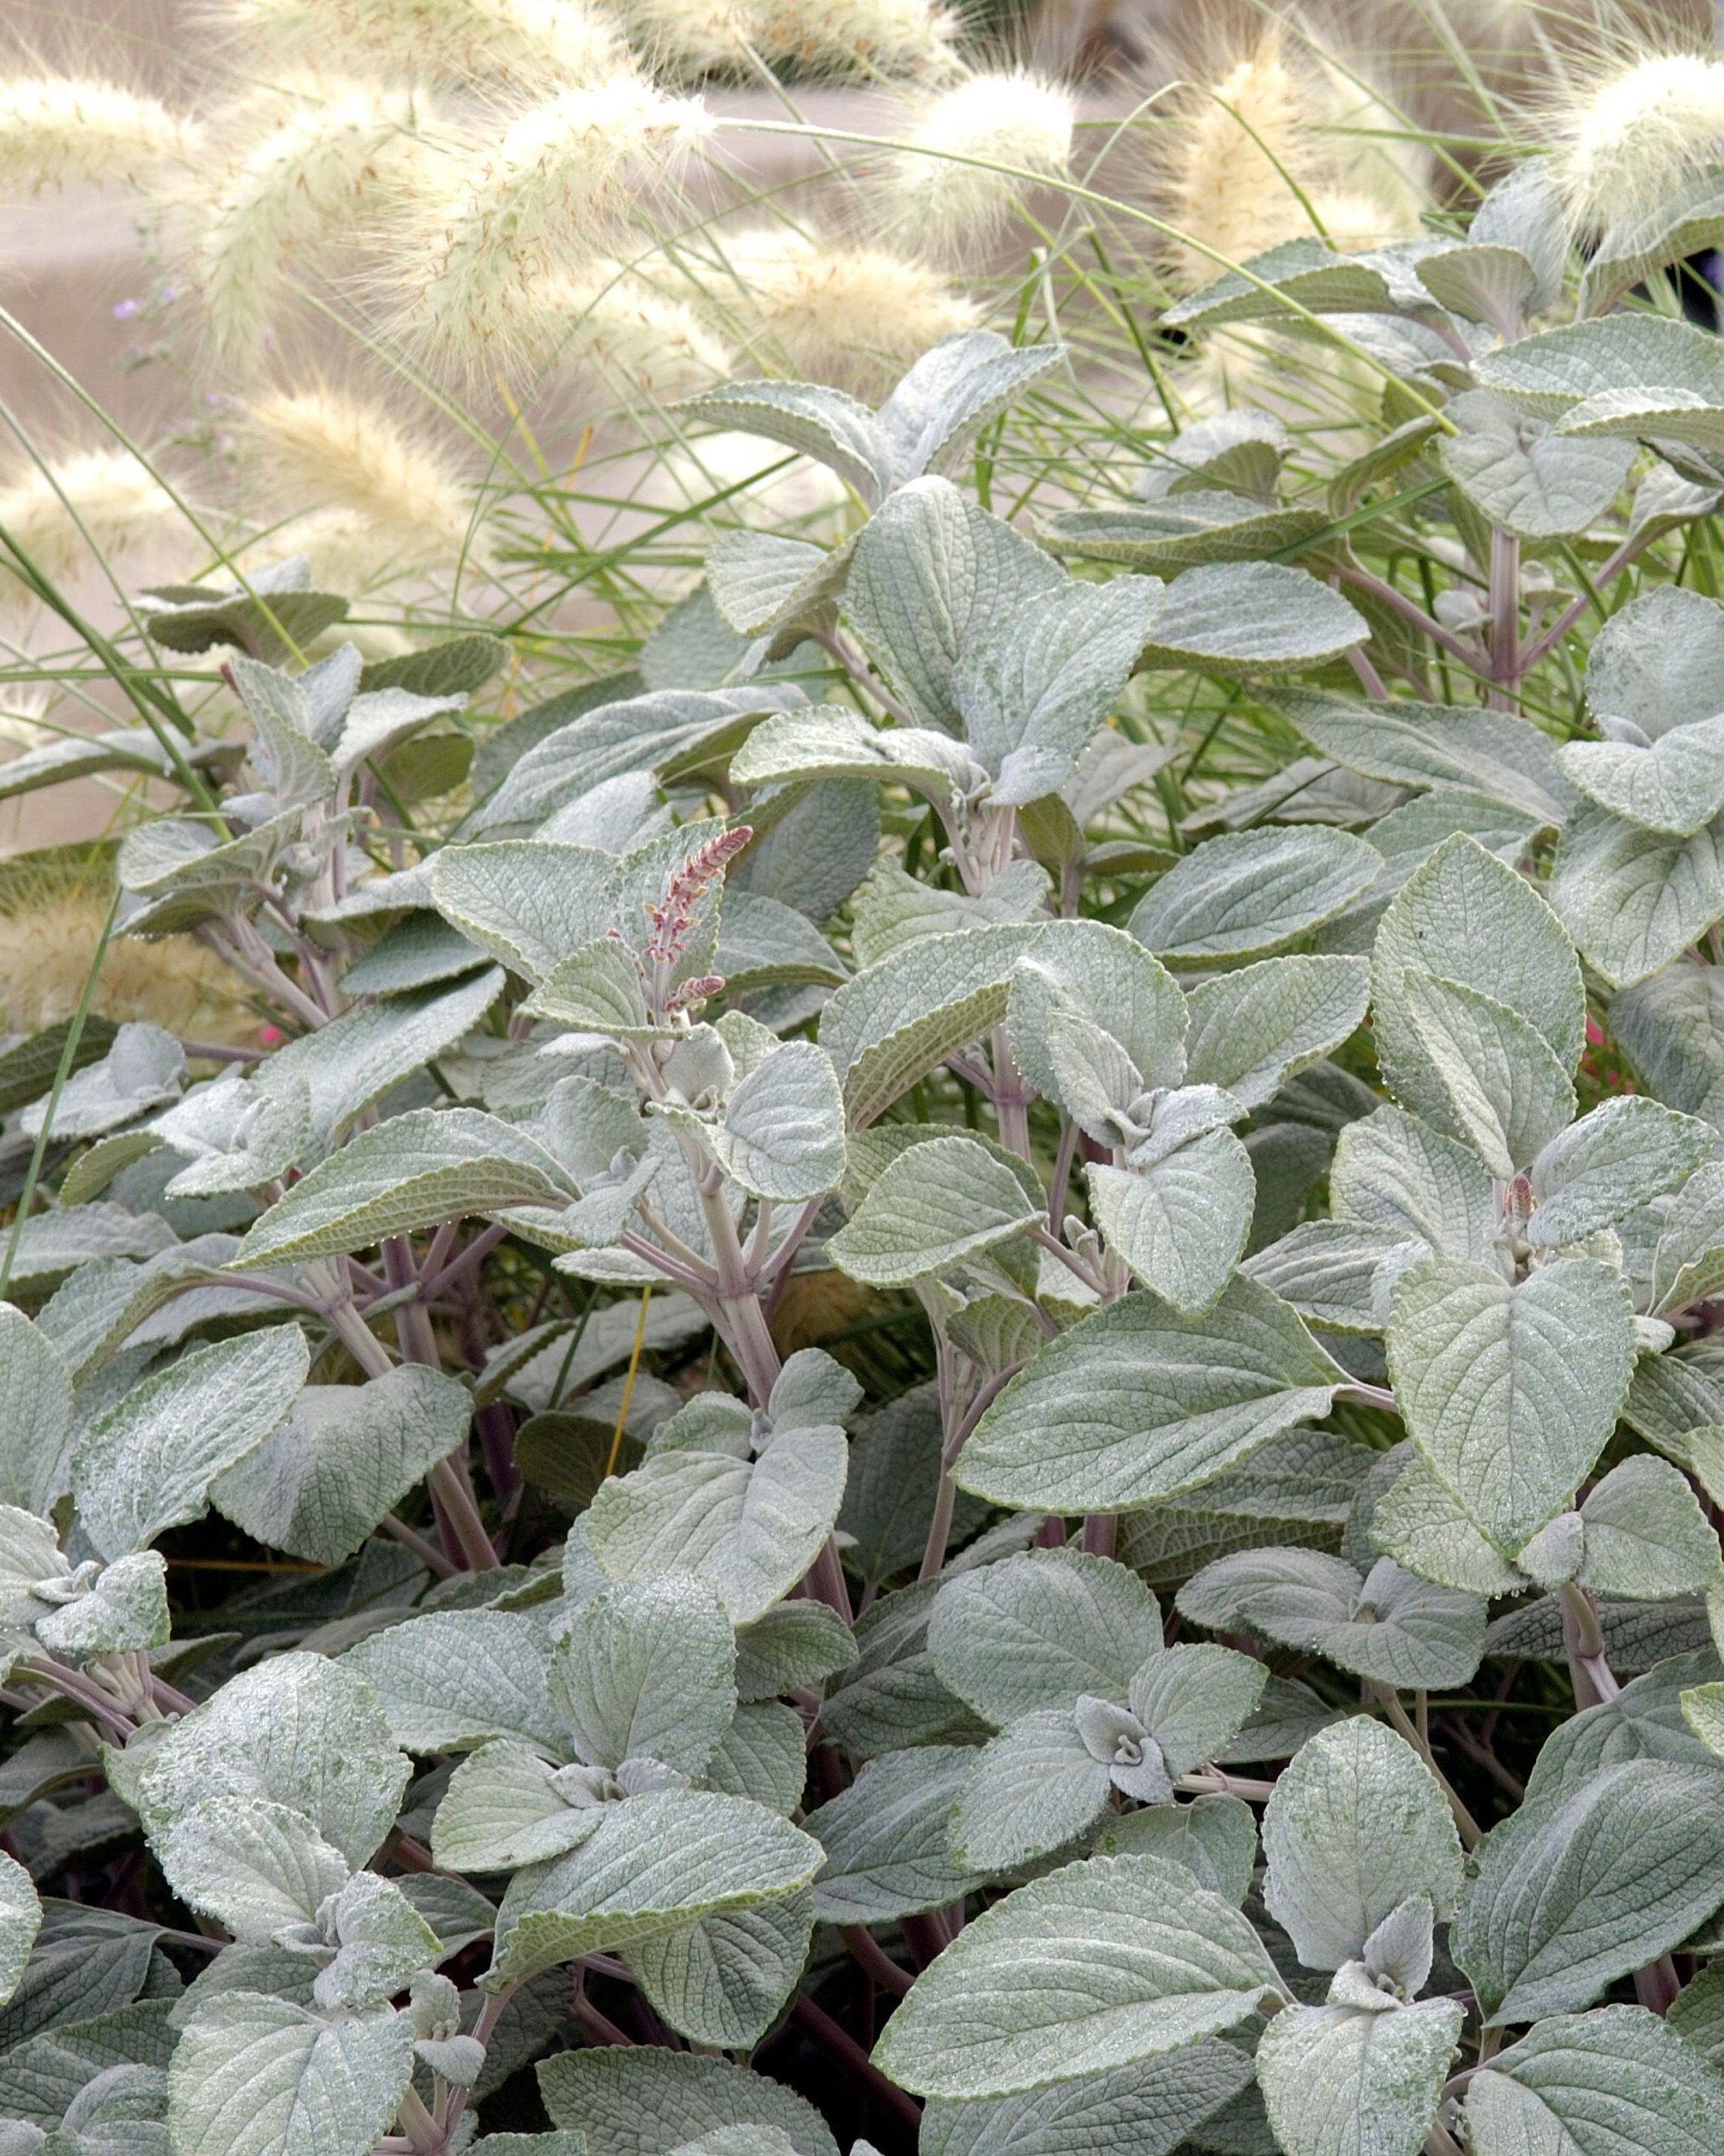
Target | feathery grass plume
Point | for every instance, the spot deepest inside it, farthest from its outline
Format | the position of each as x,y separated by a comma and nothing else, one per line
104,493
1626,139
1011,119
834,309
56,129
527,43
875,37
385,494
526,204
1243,159
48,943
322,163
642,340
689,36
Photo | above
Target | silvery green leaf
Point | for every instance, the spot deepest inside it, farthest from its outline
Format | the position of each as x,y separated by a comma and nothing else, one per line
724,1980
1443,746
1185,531
595,989
1307,271
254,1865
1500,1085
821,422
647,1670
351,1063
1673,785
655,1864
453,1679
1249,618
1393,1171
1106,978
893,909
1136,1403
1511,1392
795,1644
1577,1888
1193,1699
380,1940
1521,475
256,2076
1687,1259
146,1464
648,2102
343,1456
527,903
782,1134
1034,1789
1032,691
1340,2081
1491,932
1103,1964
1356,1826
1694,2015
900,1018
414,1171
938,408
765,943
420,950
143,1068
379,718
1253,1029
1389,1627
1653,664
1597,2084
1671,1028
35,1413
1645,1720
21,1919
760,581
1147,2109
1310,1474
1236,450
1336,1274
238,1134
1039,1630
1646,1535
1247,892
762,1755
931,1209
1636,1634
50,1245
1625,1152
29,1556
1180,1223
1633,898
1422,1523
887,1838
1553,373
749,1529
1214,1838
831,740
930,574
505,1806
124,1612
299,1730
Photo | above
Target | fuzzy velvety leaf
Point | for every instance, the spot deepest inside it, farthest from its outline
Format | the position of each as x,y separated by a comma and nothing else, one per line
1577,1888
1247,892
1137,1403
258,2076
931,1208
649,2102
1099,1966
1603,2084
1342,2080
887,1838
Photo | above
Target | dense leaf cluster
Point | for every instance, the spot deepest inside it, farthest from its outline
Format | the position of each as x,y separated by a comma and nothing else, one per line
1317,1223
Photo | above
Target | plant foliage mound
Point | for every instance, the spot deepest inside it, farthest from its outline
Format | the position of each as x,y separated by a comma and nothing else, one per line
886,1415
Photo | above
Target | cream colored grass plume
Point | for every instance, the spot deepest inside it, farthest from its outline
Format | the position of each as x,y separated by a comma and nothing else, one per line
1626,136
59,130
957,181
536,196
308,166
644,341
532,44
875,37
56,513
1267,142
383,496
833,307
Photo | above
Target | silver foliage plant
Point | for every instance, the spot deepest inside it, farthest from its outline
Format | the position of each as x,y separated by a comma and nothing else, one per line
1318,1226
